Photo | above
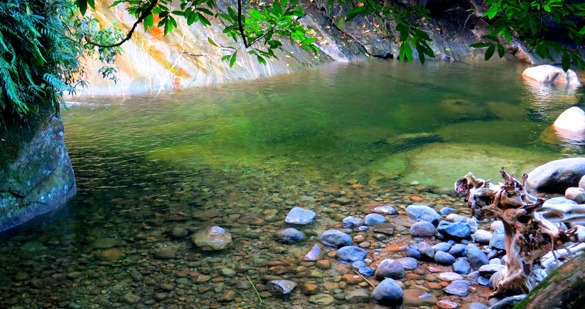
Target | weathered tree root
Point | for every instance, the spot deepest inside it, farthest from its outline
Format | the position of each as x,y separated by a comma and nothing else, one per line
531,230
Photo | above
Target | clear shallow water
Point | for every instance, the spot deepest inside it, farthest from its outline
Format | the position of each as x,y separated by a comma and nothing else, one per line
331,139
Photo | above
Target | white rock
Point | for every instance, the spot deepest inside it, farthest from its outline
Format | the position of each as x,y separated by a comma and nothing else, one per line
549,74
572,120
575,194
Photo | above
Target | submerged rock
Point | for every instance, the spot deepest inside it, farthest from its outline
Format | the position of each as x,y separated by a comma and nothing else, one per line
422,229
300,216
351,254
290,236
423,213
352,222
335,238
314,254
374,219
212,238
390,269
284,287
388,293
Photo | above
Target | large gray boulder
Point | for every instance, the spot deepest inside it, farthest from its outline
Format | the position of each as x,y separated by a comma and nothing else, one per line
556,176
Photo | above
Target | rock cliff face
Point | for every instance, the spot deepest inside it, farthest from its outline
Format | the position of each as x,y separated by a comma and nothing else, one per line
40,179
152,62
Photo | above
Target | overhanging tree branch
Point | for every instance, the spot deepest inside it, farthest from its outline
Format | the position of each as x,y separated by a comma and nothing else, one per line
141,18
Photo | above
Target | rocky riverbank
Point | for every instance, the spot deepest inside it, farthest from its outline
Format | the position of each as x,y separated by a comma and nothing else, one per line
150,260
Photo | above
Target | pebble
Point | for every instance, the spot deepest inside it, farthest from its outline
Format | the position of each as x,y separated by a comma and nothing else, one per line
131,298
444,258
390,269
300,216
227,296
384,210
213,238
458,287
476,257
426,251
474,306
447,304
314,254
374,219
458,250
358,296
422,229
461,266
335,238
352,222
450,276
284,287
179,232
165,253
322,299
408,262
351,254
498,240
455,230
309,288
290,236
388,293
482,237
442,246
363,269
419,212
323,264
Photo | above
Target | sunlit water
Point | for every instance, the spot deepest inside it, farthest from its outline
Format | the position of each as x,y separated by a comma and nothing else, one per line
241,155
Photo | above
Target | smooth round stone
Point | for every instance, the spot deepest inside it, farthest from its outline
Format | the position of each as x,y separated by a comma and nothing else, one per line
300,216
488,270
390,269
412,251
476,257
335,238
212,238
284,287
131,298
290,236
165,253
352,222
358,296
314,254
498,240
458,288
447,304
322,299
385,210
446,210
362,268
426,250
418,298
461,266
458,250
556,176
575,194
419,212
351,254
374,219
498,224
179,232
496,261
482,237
444,258
408,262
422,229
388,293
442,246
449,276
454,230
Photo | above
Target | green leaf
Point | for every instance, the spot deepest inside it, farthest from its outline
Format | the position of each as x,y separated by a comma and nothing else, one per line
91,3
261,59
566,62
360,10
211,42
82,4
501,50
492,12
490,52
233,59
480,45
148,22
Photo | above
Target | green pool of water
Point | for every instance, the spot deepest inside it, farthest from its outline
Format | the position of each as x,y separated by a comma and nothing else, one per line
241,155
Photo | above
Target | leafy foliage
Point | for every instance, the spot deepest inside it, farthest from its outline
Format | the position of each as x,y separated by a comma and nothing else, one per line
531,20
41,44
